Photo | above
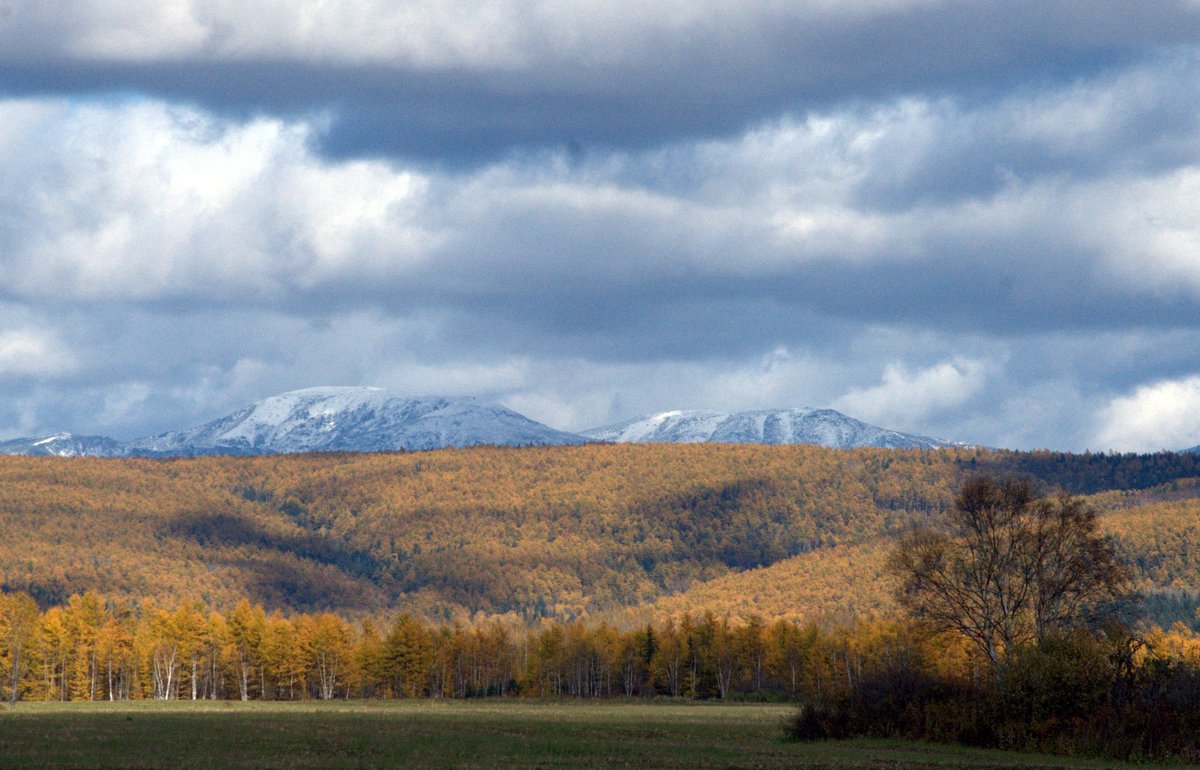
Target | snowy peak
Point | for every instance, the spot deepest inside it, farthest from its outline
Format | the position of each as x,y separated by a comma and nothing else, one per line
63,445
355,419
767,426
680,427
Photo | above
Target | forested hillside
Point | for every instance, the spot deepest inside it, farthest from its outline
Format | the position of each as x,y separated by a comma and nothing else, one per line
564,532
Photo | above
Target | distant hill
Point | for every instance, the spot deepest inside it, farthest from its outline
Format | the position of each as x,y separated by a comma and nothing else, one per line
576,531
63,445
824,427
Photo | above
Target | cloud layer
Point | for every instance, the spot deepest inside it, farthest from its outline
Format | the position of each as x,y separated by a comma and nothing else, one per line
973,220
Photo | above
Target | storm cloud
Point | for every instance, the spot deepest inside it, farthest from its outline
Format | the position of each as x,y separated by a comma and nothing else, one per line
973,220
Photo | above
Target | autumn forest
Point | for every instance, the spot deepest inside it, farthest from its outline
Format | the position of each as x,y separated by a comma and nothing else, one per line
593,533
686,571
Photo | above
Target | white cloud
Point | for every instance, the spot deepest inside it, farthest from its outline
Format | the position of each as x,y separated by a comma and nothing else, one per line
34,353
20,417
122,402
457,378
140,200
1160,415
125,30
575,394
1043,414
421,33
1150,234
907,398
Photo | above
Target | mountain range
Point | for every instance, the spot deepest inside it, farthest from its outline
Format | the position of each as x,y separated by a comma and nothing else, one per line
363,419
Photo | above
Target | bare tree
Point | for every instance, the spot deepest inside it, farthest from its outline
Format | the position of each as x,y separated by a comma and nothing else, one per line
1010,568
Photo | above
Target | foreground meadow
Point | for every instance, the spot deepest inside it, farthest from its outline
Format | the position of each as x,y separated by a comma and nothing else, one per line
490,733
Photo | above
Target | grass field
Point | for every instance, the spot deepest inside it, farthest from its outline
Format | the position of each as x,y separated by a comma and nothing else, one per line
448,734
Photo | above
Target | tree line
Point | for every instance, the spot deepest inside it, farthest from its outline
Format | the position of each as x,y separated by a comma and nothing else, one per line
97,648
94,648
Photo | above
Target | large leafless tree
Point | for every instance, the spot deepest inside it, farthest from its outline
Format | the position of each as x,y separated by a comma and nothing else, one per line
1010,568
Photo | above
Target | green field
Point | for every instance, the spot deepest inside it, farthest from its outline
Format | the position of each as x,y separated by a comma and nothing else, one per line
448,734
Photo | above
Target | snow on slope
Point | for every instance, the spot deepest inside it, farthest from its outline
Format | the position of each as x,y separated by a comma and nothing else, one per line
355,419
768,426
680,427
63,445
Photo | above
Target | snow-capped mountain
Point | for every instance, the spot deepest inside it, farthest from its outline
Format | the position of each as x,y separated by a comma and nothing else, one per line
63,445
354,419
677,427
767,426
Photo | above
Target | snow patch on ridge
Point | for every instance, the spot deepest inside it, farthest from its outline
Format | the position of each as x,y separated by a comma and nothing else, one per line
676,426
52,438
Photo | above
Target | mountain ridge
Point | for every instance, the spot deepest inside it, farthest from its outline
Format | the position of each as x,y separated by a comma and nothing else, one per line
356,419
554,531
825,427
63,445
322,419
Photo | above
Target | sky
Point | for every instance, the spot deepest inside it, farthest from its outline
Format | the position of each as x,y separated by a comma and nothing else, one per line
976,220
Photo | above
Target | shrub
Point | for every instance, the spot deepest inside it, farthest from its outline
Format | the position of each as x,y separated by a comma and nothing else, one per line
818,723
1074,694
893,702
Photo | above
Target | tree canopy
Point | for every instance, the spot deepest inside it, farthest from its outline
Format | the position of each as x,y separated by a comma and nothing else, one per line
1010,568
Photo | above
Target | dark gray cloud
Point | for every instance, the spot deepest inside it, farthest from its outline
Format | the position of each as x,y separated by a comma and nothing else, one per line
615,86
